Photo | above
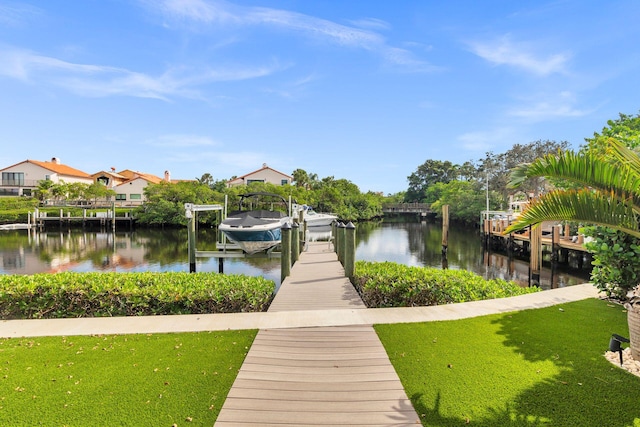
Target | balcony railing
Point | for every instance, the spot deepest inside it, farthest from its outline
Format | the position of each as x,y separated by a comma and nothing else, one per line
19,183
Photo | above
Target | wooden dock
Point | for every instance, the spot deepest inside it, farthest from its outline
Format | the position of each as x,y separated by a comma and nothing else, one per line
320,375
558,237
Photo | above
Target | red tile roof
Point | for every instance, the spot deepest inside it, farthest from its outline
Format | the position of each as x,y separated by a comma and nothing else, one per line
59,168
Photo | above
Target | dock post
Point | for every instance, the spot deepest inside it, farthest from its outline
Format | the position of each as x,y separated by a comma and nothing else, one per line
192,243
303,236
445,229
350,251
535,258
341,242
113,216
295,242
487,232
334,233
285,256
555,244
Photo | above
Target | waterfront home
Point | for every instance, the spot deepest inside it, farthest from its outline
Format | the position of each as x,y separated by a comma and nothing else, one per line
265,174
131,191
22,178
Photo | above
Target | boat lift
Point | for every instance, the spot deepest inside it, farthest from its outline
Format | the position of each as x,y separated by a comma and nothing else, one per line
225,249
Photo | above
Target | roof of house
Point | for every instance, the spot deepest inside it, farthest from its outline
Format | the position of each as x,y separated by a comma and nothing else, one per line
58,168
259,170
112,174
130,175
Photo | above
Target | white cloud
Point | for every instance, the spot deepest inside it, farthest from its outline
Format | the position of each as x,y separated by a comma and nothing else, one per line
215,13
101,81
371,23
483,141
520,55
182,141
16,14
556,106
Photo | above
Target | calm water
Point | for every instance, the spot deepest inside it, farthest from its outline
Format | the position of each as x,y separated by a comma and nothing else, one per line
415,244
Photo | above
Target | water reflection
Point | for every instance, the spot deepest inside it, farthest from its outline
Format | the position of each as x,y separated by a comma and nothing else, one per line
420,244
415,244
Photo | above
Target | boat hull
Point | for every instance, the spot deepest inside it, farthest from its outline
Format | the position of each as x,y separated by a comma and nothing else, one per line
320,220
253,238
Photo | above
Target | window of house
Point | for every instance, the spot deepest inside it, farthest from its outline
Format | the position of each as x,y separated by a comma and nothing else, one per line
135,196
9,192
121,197
249,181
12,178
284,181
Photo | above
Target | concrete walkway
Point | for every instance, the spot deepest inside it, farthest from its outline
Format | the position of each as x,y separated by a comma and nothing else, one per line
289,319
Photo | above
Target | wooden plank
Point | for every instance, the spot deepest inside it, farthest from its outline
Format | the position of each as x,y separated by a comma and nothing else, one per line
324,406
312,395
382,360
351,387
402,415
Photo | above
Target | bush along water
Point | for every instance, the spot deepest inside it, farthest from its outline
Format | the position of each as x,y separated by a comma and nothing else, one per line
387,284
130,294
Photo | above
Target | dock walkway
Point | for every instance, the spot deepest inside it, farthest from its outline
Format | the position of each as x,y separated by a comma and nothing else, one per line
336,375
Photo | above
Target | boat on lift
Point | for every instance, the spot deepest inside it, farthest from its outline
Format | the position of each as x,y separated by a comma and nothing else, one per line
256,225
315,219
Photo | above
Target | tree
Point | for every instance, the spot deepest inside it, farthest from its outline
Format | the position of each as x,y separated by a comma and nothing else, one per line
97,191
609,196
206,179
499,166
427,174
43,190
301,178
465,199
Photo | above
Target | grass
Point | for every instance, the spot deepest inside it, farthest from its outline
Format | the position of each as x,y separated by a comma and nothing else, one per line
119,380
541,367
531,368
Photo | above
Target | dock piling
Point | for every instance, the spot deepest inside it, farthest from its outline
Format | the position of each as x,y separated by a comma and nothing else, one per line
285,257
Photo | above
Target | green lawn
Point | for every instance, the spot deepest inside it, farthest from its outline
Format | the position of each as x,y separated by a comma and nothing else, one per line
125,380
531,368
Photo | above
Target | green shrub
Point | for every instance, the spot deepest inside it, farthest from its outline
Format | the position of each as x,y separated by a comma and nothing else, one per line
8,203
387,284
130,294
616,260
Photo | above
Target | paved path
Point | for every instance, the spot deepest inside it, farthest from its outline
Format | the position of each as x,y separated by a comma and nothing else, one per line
316,359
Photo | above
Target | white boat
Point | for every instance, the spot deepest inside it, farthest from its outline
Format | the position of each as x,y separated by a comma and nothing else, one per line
256,230
315,219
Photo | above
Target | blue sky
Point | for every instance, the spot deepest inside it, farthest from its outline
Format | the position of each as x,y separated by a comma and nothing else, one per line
360,89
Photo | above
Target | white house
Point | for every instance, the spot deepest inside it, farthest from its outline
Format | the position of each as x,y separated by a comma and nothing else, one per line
22,178
109,179
131,191
266,174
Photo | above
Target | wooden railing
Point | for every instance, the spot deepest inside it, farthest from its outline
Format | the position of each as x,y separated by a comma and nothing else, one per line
406,208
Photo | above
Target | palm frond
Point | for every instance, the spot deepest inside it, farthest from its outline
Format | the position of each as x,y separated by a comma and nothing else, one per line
584,169
617,150
585,206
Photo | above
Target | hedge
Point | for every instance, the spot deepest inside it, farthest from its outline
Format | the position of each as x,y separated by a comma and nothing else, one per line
130,294
387,284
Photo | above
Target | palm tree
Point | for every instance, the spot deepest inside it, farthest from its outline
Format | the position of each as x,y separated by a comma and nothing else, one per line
609,196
